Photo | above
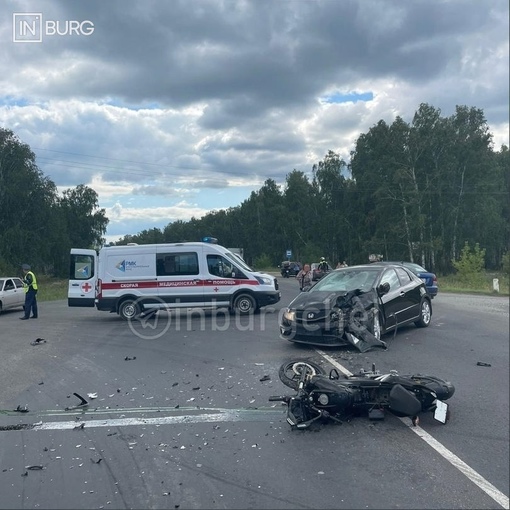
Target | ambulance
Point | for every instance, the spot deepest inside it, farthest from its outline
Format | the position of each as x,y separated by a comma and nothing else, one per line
136,279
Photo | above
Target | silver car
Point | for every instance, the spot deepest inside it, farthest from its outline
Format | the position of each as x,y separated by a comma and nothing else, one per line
12,294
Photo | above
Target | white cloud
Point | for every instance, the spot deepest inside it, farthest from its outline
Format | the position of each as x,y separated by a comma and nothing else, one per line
171,110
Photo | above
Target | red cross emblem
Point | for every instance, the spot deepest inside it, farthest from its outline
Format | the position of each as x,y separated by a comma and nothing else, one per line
216,289
85,287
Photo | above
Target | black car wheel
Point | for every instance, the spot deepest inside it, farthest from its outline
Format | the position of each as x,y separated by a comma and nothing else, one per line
290,373
425,314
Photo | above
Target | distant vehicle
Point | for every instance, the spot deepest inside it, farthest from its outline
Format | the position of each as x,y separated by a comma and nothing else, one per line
375,297
430,279
288,268
12,294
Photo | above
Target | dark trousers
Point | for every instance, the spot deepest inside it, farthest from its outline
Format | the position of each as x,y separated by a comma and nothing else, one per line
31,303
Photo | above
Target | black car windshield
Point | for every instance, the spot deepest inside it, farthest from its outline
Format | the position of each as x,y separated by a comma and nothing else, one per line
345,280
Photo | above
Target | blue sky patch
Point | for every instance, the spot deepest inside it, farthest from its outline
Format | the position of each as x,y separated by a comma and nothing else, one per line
352,97
13,101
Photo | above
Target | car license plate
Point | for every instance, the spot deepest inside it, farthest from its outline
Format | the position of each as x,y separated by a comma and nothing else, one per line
441,411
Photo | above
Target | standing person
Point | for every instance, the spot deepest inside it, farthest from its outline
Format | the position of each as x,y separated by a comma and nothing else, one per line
304,277
30,286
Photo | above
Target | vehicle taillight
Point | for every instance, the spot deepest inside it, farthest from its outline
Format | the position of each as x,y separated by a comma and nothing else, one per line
98,288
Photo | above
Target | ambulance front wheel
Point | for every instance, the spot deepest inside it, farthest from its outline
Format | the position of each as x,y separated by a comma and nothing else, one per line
244,304
129,309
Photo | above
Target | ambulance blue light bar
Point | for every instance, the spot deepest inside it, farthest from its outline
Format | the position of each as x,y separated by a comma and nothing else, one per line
211,240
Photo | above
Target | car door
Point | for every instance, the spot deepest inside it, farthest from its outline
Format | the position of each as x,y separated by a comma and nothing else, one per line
180,282
409,295
392,301
10,297
412,296
20,292
223,279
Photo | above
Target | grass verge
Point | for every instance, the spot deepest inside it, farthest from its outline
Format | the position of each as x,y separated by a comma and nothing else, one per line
481,284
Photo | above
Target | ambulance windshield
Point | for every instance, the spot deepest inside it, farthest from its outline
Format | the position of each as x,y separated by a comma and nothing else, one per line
238,261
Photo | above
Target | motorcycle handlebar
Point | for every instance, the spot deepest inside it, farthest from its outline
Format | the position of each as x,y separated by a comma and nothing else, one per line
279,398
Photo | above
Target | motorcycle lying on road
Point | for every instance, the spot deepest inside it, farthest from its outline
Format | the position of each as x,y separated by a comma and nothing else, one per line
329,397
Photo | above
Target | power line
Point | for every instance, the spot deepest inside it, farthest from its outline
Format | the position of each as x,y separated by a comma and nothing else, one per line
142,163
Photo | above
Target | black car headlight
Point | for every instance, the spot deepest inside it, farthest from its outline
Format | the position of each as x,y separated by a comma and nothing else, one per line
289,315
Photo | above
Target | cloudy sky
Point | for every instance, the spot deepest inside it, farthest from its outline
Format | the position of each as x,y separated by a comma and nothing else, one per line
173,108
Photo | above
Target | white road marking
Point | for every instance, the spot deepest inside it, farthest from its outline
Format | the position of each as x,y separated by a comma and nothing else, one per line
475,477
214,415
217,415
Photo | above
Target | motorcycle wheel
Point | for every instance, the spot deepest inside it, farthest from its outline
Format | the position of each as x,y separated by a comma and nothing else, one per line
290,373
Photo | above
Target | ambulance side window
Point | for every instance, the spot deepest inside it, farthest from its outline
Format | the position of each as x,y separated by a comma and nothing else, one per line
223,268
177,264
82,267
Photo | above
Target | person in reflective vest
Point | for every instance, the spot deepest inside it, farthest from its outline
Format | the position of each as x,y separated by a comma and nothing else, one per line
30,286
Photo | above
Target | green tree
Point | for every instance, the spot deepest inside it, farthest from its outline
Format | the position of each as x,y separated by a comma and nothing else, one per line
471,264
86,223
27,206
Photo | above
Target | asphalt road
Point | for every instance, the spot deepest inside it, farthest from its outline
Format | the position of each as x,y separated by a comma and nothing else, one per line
182,419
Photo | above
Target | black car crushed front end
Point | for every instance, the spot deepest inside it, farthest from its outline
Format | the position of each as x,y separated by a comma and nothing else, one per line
332,320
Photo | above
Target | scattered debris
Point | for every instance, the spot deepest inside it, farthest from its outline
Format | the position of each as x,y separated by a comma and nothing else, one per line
265,378
175,384
92,395
25,473
127,358
81,426
83,403
35,467
42,382
482,364
96,461
196,388
20,409
38,341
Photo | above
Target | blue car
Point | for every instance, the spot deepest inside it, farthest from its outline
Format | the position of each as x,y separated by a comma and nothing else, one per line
430,279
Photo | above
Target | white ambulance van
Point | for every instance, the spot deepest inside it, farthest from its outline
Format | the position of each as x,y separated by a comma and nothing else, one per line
135,279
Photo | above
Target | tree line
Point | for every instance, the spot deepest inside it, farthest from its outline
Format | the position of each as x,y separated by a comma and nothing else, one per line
415,191
38,226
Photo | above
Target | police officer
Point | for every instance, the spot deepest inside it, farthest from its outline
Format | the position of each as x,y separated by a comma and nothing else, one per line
30,286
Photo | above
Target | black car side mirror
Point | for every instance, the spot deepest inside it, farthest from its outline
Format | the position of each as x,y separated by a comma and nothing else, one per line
384,288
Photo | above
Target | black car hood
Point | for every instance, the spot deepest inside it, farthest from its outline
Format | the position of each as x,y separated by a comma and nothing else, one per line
327,300
321,304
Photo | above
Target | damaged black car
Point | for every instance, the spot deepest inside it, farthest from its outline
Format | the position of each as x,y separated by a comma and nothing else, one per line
356,306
